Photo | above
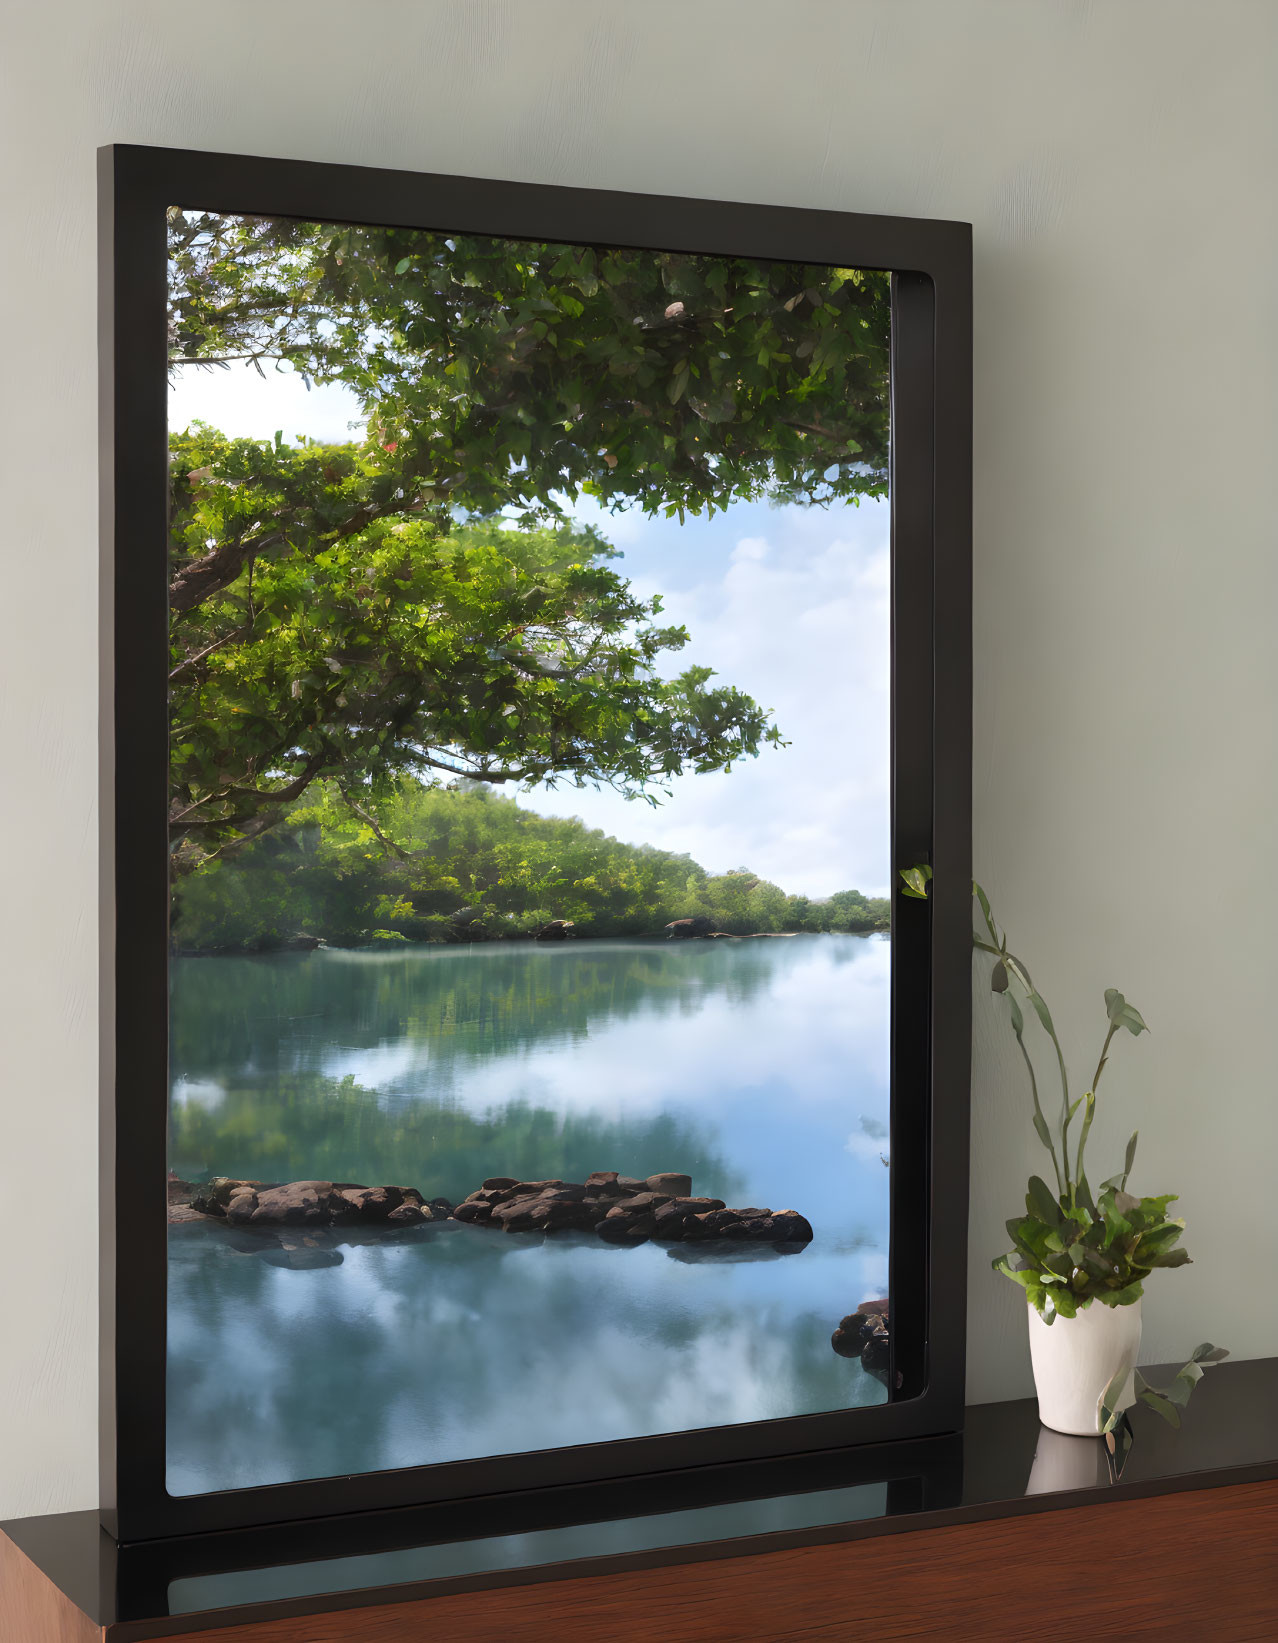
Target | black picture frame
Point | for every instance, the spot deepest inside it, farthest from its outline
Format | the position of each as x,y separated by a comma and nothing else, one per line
931,799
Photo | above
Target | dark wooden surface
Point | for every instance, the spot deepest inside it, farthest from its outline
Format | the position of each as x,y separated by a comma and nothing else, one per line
32,1609
1202,1563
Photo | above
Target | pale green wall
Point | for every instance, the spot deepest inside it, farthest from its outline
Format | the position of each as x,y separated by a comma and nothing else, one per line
1117,161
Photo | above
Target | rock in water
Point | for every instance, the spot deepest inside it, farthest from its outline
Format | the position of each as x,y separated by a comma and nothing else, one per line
373,1203
789,1227
866,1334
633,1229
407,1215
300,1203
240,1209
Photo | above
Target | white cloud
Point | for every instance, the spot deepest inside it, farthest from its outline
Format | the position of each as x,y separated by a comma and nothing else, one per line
244,405
800,620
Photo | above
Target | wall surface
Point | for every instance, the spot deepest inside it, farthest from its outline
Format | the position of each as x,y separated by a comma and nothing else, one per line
1116,161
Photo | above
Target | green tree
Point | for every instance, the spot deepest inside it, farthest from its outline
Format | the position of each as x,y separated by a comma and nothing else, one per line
498,655
500,372
360,612
332,873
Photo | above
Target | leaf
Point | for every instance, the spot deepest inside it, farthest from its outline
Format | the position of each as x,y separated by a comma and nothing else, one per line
916,881
1161,1405
1109,1399
1127,1296
1044,1134
1018,1020
1040,1201
1130,1159
1042,1012
403,265
1182,1387
999,977
1207,1353
984,901
1123,1014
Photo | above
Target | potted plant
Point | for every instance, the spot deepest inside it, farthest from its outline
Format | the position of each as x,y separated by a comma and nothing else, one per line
1081,1254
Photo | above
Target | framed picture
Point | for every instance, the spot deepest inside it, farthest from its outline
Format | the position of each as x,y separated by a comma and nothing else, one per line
536,637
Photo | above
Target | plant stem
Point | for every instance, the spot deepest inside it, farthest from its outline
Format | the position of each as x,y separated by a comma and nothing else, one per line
1104,1055
1022,975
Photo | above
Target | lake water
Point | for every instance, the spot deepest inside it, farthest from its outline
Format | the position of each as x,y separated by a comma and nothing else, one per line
760,1068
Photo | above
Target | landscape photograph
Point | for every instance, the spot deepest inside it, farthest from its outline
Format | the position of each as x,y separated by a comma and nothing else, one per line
529,817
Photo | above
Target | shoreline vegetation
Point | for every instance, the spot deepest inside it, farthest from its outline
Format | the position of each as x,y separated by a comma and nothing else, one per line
460,863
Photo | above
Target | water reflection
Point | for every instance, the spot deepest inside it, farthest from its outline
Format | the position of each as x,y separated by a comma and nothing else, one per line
752,1065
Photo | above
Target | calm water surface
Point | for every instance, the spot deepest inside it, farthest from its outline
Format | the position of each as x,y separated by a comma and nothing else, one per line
759,1067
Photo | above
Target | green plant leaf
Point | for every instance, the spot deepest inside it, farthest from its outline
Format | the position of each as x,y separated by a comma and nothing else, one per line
1163,1406
1123,1014
1207,1353
988,916
1041,1011
1130,1158
1173,1258
1126,1296
1040,1202
999,978
1182,1387
1110,1413
915,881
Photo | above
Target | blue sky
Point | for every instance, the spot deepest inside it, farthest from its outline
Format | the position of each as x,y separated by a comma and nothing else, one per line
790,604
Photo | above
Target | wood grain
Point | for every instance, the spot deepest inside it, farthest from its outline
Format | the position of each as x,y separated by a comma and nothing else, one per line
1201,1563
32,1609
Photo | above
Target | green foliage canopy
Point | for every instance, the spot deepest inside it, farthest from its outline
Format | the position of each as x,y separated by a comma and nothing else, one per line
499,655
502,373
362,611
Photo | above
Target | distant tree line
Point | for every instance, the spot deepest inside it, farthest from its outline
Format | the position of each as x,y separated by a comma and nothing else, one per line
463,863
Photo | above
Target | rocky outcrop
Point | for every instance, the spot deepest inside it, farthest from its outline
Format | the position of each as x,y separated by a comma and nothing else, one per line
686,929
866,1334
622,1209
312,1204
558,929
619,1209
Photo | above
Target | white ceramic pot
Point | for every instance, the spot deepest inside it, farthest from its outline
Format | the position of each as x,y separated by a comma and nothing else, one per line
1076,1358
